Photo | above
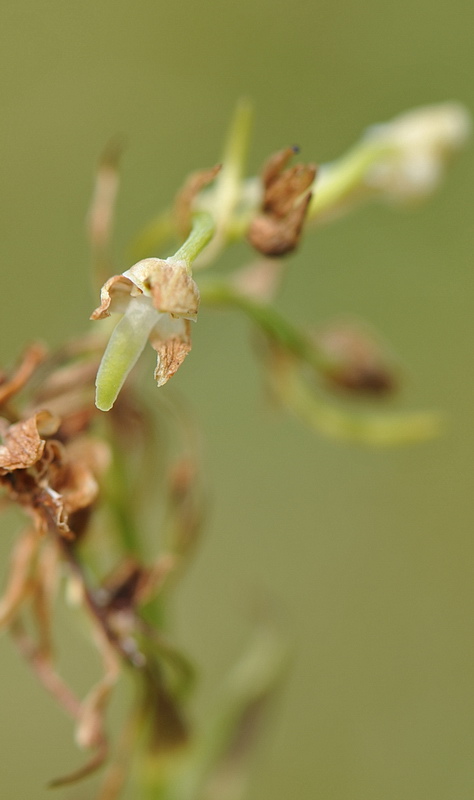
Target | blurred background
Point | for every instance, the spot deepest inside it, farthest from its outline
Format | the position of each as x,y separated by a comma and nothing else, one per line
368,555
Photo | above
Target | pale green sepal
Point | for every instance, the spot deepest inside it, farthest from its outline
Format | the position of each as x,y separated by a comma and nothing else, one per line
125,345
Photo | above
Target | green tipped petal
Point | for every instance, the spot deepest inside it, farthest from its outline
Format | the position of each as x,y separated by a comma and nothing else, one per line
124,347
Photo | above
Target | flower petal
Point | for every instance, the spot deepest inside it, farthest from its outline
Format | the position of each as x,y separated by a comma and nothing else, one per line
174,291
114,296
124,347
172,341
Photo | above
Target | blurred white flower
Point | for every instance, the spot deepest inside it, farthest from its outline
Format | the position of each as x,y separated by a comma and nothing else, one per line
419,144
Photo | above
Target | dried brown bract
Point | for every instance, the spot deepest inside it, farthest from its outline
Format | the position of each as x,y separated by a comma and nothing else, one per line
277,229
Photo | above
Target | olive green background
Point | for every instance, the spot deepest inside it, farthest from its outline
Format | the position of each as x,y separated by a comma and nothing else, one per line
367,555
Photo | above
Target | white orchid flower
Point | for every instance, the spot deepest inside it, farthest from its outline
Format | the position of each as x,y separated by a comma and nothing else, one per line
157,299
421,142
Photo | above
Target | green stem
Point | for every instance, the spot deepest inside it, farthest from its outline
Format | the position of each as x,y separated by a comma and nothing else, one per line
372,429
268,319
121,503
228,183
202,231
338,181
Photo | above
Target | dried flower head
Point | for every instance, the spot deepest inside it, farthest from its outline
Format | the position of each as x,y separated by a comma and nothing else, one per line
277,229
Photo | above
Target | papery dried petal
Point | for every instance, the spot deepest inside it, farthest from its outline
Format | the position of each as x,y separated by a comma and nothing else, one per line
172,342
277,236
280,195
275,164
79,487
114,296
23,445
277,230
173,290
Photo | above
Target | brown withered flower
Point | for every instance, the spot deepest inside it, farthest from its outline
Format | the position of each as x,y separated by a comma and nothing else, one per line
50,480
277,229
354,360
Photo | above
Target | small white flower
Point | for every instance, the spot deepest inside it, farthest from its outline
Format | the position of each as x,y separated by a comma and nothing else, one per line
157,299
419,143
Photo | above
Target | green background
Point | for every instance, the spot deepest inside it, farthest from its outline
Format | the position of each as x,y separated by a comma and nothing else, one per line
367,555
